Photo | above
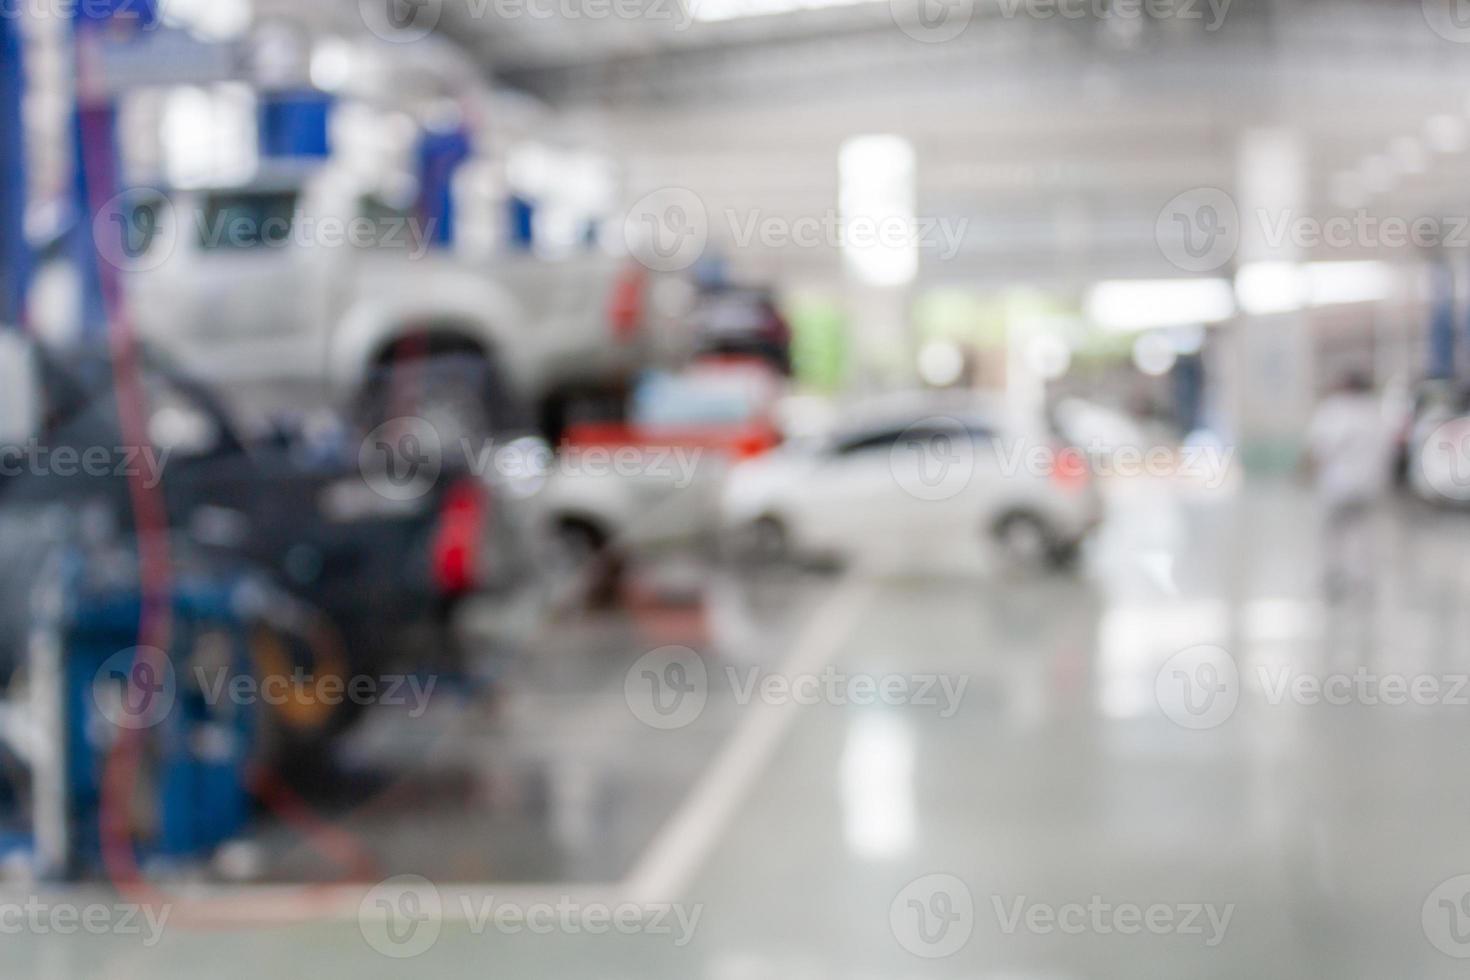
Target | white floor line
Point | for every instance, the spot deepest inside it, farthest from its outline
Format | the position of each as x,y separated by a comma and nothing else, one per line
279,905
662,872
679,850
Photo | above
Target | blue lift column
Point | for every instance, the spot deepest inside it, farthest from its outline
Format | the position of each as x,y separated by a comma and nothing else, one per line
440,155
14,253
96,164
522,213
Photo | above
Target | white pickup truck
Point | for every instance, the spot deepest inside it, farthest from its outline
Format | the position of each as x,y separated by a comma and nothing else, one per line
295,293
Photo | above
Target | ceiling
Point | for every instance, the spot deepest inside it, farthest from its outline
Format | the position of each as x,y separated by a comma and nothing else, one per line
1057,139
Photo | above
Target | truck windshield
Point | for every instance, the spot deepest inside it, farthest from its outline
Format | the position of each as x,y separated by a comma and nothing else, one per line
247,220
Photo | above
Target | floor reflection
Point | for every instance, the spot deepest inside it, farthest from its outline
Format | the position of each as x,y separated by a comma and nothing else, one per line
1058,776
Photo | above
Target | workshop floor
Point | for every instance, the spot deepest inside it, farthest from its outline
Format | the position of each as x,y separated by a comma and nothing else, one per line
802,836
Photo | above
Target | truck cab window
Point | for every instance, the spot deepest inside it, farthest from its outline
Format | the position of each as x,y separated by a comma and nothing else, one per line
244,221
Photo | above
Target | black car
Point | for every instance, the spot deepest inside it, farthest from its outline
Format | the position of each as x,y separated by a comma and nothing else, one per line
745,321
380,562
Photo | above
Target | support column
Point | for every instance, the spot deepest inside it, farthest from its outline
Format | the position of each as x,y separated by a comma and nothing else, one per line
14,255
1274,384
95,169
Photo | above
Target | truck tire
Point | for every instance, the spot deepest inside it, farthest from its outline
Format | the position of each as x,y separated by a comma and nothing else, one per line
299,729
463,395
583,552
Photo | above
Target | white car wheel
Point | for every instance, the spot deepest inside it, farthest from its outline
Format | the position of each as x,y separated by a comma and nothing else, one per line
1024,542
764,541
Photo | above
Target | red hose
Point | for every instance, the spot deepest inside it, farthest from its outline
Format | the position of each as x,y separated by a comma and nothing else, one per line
155,625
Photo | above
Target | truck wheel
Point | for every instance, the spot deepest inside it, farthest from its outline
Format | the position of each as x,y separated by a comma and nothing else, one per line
299,725
462,395
581,553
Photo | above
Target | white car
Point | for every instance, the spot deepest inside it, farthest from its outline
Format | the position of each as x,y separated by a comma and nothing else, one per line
915,476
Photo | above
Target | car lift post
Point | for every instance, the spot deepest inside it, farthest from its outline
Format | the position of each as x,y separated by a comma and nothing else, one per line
94,138
14,252
440,155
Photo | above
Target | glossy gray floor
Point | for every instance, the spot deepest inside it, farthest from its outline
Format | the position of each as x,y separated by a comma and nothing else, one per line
1136,780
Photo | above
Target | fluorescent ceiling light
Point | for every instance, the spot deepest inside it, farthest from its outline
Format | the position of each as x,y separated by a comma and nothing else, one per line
1281,287
876,190
1348,282
712,10
1140,304
212,20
